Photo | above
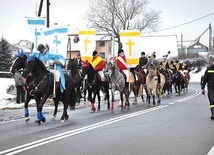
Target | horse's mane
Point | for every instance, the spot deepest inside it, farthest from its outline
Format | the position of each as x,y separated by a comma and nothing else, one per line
41,64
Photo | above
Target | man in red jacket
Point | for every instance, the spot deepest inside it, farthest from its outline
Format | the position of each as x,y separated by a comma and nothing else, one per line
98,65
122,65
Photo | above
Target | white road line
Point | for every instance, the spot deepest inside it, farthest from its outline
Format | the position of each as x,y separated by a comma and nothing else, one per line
37,143
34,144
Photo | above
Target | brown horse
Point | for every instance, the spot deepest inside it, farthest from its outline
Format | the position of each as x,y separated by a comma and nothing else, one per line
186,81
152,84
139,84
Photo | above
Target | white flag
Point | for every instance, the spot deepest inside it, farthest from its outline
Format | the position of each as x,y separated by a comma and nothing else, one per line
36,24
131,46
57,39
87,43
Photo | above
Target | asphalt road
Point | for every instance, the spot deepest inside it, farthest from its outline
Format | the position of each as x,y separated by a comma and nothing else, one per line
181,125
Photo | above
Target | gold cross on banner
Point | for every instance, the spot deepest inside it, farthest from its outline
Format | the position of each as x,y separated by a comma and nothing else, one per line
86,41
130,44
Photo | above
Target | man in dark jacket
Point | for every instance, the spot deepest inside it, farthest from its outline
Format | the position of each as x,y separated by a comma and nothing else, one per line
209,80
143,60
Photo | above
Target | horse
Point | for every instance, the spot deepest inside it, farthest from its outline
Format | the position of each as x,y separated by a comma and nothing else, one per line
152,85
139,83
186,80
43,82
168,78
118,83
93,85
179,81
75,74
19,63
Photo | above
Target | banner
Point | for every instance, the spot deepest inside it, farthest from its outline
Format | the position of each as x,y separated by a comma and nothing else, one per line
87,43
56,38
36,24
131,46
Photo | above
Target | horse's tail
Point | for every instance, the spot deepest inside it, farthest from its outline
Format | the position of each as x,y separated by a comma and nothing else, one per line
72,99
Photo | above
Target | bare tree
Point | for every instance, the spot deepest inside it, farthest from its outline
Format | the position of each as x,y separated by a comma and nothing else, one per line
111,16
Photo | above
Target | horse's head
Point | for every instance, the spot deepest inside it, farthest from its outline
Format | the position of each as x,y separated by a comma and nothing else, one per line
86,68
19,63
33,65
72,64
152,70
112,63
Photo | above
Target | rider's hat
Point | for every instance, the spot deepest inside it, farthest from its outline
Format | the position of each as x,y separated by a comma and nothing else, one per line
94,53
120,50
40,47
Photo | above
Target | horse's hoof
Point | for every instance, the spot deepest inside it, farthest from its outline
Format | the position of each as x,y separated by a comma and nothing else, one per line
93,110
27,120
61,121
44,120
98,109
108,108
53,118
112,111
37,122
134,103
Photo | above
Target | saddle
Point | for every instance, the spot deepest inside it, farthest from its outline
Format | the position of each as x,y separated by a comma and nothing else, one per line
131,77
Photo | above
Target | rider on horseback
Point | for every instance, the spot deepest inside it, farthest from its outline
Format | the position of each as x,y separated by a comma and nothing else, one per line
142,62
49,60
122,65
98,65
155,62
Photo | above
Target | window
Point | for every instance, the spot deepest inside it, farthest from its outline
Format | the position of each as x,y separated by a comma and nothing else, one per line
102,43
102,55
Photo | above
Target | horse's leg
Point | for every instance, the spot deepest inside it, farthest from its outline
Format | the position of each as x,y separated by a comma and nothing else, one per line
121,99
92,99
28,98
107,95
148,99
127,101
153,97
135,90
112,99
78,94
98,96
56,103
64,114
40,115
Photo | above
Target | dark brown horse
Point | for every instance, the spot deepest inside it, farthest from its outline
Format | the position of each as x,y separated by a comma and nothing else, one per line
139,84
44,84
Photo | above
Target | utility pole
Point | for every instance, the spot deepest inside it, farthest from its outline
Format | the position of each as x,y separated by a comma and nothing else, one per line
48,11
210,38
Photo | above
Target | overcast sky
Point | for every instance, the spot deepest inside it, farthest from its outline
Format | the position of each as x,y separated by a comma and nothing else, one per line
13,24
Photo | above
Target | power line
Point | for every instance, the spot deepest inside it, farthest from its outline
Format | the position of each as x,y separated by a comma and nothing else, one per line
187,22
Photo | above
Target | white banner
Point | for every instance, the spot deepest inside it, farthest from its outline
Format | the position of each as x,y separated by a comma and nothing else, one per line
57,39
36,24
87,43
131,46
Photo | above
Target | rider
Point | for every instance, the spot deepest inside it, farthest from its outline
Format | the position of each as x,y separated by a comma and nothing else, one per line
122,65
78,61
143,61
50,60
164,64
98,65
155,62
